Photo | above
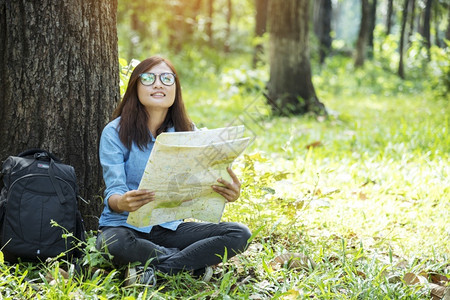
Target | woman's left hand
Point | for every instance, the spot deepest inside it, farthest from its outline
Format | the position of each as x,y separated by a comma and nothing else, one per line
231,190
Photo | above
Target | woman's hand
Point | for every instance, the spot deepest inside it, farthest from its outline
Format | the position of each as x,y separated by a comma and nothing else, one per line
131,200
231,190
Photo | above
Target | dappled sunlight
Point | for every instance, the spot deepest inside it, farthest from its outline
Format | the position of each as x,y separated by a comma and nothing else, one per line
352,184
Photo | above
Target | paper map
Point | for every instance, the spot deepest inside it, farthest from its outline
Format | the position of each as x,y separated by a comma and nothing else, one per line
181,169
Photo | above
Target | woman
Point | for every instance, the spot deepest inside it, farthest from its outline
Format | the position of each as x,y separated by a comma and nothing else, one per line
153,104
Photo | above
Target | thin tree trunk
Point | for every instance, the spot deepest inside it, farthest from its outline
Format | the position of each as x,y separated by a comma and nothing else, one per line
363,34
390,9
373,19
322,27
447,32
228,28
59,84
426,24
260,28
290,89
401,71
412,5
437,40
176,25
137,26
191,17
209,24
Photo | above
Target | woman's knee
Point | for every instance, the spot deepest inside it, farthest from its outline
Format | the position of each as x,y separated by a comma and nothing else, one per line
245,231
241,234
114,239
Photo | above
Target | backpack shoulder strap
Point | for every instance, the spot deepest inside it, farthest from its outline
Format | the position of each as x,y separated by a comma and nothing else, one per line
56,186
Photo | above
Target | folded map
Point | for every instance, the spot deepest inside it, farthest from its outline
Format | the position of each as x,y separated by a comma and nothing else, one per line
181,169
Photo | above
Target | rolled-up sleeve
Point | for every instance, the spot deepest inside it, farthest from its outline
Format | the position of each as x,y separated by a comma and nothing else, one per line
113,155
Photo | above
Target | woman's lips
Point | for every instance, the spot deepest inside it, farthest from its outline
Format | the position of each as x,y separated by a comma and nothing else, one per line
158,94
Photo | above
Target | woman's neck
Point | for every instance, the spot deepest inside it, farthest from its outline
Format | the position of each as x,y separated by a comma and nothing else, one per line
156,118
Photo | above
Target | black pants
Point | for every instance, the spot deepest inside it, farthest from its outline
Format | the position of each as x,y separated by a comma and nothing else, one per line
193,246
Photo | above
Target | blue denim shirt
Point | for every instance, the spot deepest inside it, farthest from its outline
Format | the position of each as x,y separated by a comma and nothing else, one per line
122,172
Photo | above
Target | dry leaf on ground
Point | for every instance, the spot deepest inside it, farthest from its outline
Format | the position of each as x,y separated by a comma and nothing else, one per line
413,279
438,279
314,145
63,273
437,291
292,261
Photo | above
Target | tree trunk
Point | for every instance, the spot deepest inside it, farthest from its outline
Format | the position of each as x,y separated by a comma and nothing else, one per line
363,34
322,27
192,22
260,29
138,27
290,89
447,32
229,14
389,17
372,23
426,24
209,24
437,39
177,34
412,5
59,84
401,71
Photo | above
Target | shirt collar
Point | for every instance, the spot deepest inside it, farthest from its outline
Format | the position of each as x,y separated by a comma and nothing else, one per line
170,129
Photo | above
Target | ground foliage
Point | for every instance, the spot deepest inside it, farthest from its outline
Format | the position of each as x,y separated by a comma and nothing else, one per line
352,206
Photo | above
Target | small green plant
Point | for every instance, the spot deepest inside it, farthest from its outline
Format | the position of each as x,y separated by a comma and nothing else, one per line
125,70
243,81
439,66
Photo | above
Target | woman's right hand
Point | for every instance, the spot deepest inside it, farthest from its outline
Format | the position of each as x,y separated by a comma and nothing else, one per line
130,201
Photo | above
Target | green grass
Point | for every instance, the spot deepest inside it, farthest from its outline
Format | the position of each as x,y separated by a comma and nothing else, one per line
365,194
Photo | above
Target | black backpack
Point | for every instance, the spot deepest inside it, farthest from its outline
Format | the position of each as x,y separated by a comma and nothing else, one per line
38,188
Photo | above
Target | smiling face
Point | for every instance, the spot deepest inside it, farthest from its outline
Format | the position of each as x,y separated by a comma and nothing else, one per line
157,96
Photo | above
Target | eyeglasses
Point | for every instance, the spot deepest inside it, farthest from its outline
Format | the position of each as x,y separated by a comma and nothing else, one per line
150,78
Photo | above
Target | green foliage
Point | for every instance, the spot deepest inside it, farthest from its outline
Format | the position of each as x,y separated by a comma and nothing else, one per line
197,65
362,193
243,81
125,70
170,28
379,76
439,80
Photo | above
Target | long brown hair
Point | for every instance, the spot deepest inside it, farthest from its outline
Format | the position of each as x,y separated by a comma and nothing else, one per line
134,117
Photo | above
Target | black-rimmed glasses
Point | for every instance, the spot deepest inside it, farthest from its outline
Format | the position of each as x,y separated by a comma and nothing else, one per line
150,78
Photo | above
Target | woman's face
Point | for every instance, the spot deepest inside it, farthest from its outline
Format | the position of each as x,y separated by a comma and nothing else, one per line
157,95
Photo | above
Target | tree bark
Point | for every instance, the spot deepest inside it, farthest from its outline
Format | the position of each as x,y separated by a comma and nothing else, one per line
363,34
412,5
390,10
177,33
322,27
209,24
229,14
447,32
437,39
401,71
372,23
260,28
59,84
426,24
290,89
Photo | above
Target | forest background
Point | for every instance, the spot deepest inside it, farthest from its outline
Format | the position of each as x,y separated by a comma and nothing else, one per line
350,202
